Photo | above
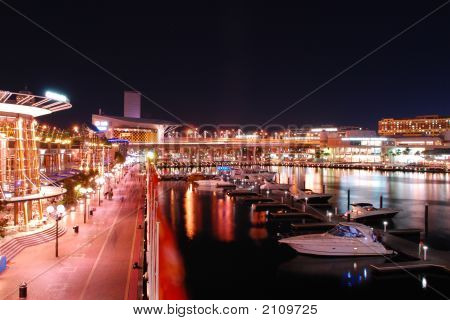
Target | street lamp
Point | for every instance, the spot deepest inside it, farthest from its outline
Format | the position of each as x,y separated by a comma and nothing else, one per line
60,210
100,181
385,223
84,191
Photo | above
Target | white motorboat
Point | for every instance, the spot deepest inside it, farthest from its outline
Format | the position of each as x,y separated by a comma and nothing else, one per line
214,183
366,211
311,196
267,185
346,239
254,174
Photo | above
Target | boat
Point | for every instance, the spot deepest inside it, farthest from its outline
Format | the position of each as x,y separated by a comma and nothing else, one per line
345,239
252,174
311,196
365,211
196,177
214,183
267,185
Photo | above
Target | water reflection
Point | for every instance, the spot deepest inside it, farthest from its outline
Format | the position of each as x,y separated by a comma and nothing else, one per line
408,191
222,211
192,208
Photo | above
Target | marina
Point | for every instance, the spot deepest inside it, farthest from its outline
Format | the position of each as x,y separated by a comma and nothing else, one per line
248,225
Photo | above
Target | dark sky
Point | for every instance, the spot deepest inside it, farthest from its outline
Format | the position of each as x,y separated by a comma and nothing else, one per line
233,62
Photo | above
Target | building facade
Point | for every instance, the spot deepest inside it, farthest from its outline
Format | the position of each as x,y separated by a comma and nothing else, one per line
432,125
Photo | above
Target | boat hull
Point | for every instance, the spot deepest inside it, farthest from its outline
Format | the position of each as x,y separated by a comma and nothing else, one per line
348,251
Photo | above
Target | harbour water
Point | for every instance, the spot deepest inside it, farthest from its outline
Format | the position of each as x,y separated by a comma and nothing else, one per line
230,253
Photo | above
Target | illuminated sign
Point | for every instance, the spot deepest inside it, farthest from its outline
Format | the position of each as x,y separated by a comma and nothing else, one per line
223,168
101,125
56,96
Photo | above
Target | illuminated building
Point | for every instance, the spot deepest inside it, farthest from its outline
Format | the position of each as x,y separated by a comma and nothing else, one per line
20,176
130,130
432,125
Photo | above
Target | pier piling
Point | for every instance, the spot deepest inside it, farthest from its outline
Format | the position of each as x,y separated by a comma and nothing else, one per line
348,199
381,201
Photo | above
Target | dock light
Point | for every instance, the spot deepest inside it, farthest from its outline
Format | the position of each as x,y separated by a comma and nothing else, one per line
285,193
56,96
267,192
329,214
425,249
424,283
385,223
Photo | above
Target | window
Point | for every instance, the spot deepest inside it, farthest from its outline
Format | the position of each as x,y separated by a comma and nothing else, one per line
346,231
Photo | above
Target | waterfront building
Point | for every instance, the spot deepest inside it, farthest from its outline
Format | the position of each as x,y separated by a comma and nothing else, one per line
430,125
20,158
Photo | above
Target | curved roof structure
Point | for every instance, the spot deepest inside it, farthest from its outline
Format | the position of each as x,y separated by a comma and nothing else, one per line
29,104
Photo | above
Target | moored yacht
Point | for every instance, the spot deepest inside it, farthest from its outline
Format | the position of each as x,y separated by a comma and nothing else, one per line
366,211
311,196
214,183
346,239
267,185
252,174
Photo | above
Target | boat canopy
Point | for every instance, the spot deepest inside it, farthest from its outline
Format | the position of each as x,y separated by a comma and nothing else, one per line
346,231
362,204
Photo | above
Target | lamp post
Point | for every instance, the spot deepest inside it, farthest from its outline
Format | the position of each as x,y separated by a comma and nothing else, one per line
100,181
84,191
385,223
60,209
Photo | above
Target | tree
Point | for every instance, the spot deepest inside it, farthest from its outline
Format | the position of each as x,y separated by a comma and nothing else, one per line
406,151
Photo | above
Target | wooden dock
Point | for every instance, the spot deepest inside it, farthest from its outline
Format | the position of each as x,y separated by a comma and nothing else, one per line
308,218
436,259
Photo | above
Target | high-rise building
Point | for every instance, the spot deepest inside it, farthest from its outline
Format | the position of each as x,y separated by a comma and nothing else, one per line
431,125
132,104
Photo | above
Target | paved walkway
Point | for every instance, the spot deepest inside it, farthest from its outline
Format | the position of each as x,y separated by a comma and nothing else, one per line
93,264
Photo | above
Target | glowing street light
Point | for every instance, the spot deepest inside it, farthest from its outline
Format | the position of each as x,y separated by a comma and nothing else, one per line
385,223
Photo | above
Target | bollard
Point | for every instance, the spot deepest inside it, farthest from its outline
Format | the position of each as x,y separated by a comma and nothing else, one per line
23,291
426,221
76,229
348,199
348,217
381,201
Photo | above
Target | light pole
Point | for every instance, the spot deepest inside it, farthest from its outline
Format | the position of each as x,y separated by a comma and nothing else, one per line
84,192
60,209
100,181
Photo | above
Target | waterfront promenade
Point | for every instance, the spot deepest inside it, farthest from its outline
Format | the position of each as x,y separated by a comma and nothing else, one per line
96,263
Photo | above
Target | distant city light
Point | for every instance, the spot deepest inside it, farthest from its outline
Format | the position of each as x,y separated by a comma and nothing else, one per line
324,129
56,96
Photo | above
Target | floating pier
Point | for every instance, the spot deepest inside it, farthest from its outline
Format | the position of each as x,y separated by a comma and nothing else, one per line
420,259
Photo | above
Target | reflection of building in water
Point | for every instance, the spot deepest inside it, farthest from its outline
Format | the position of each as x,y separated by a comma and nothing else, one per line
192,217
259,233
222,216
20,176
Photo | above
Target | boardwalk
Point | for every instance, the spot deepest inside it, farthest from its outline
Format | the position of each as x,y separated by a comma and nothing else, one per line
94,264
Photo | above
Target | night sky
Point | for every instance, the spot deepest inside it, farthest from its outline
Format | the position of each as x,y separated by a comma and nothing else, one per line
233,62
